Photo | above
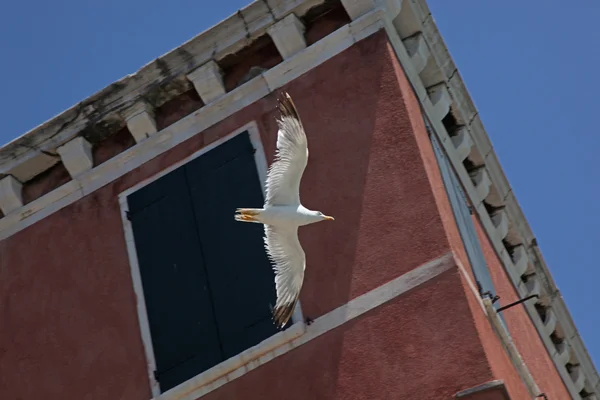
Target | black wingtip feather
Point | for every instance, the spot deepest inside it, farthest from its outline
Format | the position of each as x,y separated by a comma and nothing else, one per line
282,314
286,106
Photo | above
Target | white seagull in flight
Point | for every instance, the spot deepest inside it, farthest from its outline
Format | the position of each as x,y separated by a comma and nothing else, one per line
283,213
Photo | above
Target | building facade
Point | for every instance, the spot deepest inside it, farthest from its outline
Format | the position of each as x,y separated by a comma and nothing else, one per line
123,274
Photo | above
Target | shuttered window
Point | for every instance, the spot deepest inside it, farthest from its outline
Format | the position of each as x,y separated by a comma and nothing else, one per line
464,221
208,284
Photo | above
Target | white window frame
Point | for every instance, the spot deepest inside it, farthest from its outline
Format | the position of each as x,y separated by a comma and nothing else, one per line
268,344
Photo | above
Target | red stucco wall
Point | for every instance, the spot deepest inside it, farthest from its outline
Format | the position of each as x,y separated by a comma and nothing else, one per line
499,361
421,345
68,322
521,328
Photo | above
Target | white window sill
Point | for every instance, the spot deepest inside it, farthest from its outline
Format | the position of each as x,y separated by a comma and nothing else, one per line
298,334
235,366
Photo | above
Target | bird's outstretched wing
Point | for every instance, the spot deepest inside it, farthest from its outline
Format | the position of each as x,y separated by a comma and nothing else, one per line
285,251
283,179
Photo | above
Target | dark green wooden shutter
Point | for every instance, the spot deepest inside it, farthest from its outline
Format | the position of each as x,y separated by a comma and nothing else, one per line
208,284
239,272
182,321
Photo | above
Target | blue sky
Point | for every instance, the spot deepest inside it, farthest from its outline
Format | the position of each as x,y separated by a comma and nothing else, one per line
527,65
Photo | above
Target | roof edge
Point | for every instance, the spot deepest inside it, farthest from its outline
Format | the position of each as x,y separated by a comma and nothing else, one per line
224,38
439,86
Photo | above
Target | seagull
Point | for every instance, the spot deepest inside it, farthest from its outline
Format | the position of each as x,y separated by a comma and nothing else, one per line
282,212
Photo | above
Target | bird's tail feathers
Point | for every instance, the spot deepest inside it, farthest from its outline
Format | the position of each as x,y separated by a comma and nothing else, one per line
248,215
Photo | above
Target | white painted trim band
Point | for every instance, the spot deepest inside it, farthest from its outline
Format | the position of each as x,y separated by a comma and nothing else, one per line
227,37
299,334
193,124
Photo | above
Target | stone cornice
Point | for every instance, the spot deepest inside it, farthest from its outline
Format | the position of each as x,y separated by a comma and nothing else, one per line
431,68
156,82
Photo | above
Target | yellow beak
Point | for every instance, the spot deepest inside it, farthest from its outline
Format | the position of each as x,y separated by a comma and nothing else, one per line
328,218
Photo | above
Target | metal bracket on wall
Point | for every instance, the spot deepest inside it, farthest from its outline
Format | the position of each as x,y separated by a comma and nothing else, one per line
494,298
518,302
